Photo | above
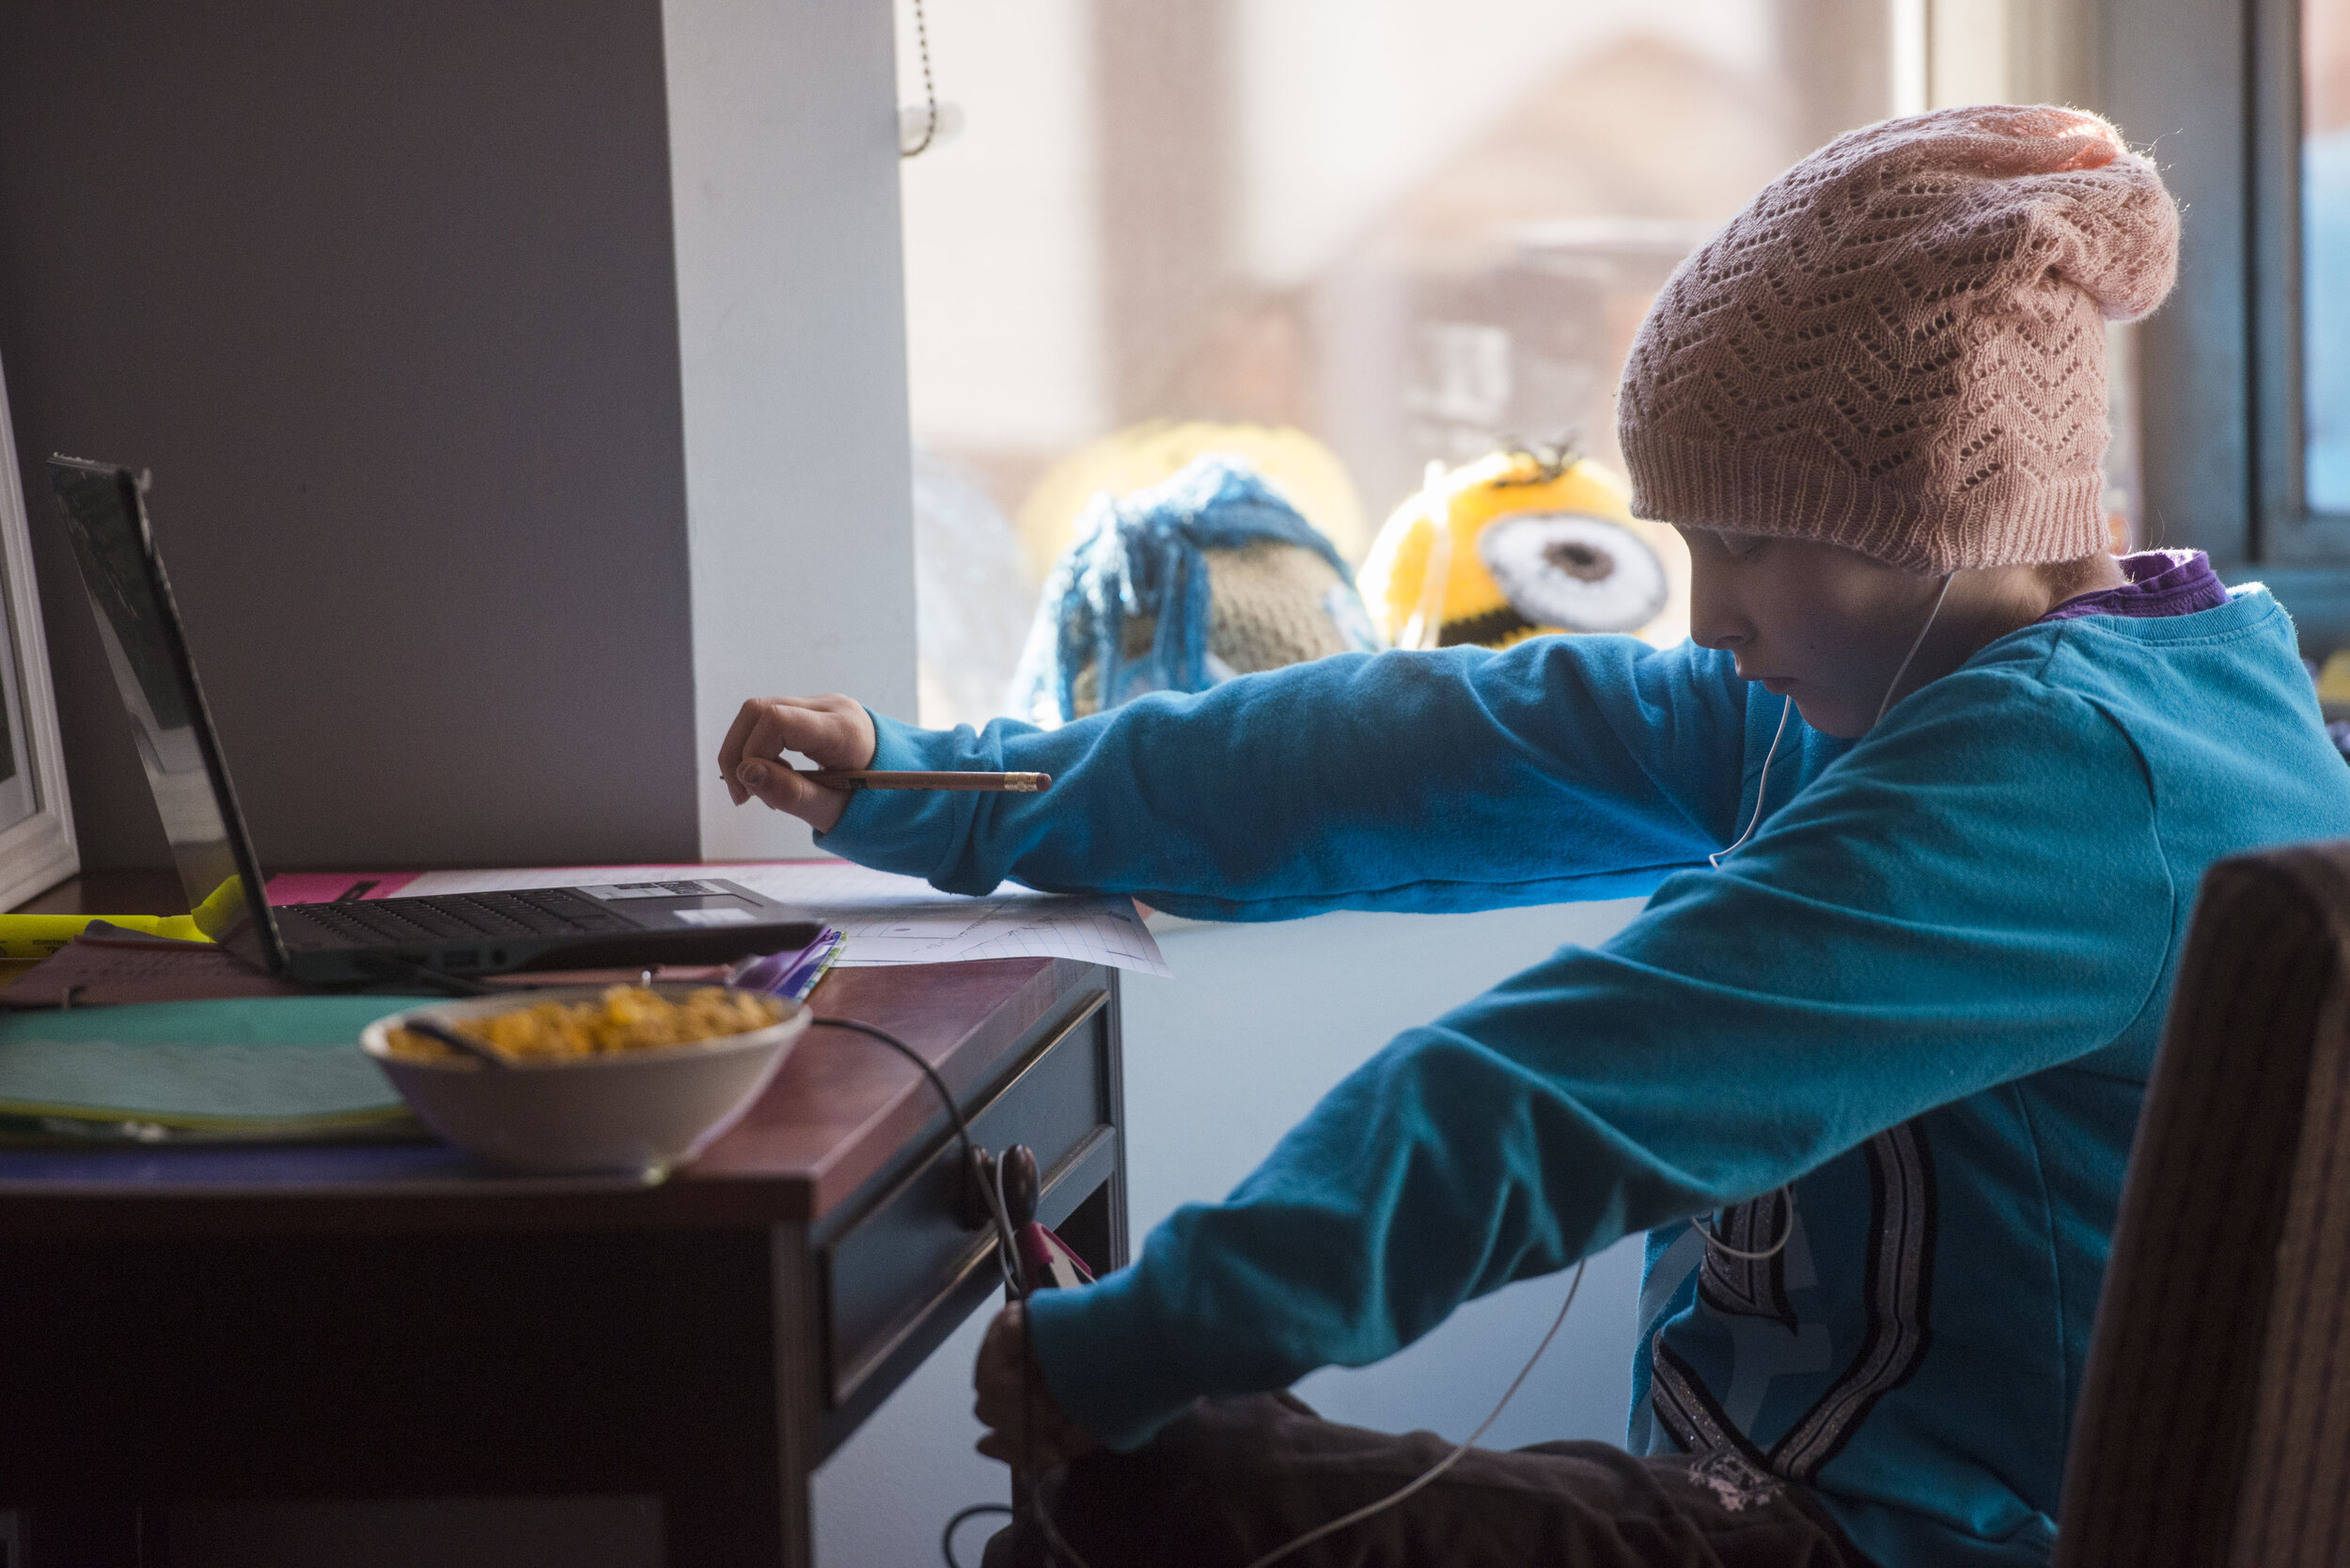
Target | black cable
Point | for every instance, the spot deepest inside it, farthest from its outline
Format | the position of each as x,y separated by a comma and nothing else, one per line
1056,1549
388,969
945,1096
1012,1278
1010,1249
947,1536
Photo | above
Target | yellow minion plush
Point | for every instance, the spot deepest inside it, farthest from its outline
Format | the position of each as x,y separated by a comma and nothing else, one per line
1517,544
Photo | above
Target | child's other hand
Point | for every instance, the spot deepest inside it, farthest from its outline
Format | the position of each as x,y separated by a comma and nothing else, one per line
832,731
1010,1401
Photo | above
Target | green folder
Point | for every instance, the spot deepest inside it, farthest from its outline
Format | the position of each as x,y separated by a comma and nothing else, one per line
258,1068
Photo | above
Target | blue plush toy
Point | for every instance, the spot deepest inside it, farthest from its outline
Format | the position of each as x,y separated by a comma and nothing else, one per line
1206,575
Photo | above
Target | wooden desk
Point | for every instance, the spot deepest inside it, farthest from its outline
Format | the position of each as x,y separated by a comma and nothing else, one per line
189,1325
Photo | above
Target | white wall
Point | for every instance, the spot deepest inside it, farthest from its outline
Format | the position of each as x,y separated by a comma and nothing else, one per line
783,157
1257,1022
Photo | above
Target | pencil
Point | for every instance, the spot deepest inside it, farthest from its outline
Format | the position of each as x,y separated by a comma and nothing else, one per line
868,778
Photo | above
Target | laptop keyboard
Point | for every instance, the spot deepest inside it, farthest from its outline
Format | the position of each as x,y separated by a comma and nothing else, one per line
377,922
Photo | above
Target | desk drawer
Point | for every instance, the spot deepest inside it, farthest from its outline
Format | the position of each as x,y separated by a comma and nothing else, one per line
903,1261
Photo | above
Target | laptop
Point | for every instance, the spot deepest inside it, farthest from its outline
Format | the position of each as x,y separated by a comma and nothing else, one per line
694,921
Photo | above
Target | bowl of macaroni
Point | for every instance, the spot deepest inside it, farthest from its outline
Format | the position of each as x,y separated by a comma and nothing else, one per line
584,1079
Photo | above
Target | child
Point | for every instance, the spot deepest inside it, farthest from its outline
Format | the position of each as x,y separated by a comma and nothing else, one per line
1923,804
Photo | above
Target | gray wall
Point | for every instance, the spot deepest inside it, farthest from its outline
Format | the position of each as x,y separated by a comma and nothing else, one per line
382,295
388,298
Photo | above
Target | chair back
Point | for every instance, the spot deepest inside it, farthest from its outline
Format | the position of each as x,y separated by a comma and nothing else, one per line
2214,1424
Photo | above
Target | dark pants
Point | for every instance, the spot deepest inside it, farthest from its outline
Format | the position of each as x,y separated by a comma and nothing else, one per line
1237,1478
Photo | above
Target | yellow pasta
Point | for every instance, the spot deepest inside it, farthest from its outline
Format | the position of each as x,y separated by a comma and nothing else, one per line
627,1018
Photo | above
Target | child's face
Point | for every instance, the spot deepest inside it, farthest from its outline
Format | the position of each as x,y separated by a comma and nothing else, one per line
1812,621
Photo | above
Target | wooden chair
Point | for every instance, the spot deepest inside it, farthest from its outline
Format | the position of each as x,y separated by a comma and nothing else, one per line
2213,1426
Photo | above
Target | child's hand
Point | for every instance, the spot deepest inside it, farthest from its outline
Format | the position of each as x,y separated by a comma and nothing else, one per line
1013,1396
832,731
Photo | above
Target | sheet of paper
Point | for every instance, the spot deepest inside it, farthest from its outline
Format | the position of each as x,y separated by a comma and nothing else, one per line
888,918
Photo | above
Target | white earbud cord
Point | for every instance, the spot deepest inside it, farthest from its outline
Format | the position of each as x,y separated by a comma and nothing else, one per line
1786,706
1947,578
1441,1466
1786,1234
1062,1548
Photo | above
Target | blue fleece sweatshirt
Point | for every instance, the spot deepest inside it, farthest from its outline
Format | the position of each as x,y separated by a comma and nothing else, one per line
1907,1025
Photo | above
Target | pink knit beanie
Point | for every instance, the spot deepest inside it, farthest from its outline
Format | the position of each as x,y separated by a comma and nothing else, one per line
1897,347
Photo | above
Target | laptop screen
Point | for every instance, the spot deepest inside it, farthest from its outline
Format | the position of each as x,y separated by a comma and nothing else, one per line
140,629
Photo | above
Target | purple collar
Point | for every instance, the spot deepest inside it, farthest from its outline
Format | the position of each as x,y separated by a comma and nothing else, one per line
2161,582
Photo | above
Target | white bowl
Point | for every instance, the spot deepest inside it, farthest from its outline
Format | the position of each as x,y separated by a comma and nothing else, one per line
641,1112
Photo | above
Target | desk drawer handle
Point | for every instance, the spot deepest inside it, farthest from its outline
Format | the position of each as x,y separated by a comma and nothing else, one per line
977,1212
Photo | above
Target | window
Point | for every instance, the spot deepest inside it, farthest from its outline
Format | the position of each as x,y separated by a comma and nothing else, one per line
1350,235
2293,111
2324,193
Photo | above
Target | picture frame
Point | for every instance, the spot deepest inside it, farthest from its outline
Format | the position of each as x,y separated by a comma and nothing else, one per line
37,844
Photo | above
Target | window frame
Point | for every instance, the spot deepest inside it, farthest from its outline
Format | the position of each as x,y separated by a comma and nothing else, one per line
2216,90
2286,530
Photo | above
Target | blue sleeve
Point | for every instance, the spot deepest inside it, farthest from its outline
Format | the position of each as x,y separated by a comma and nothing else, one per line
1564,768
1974,896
